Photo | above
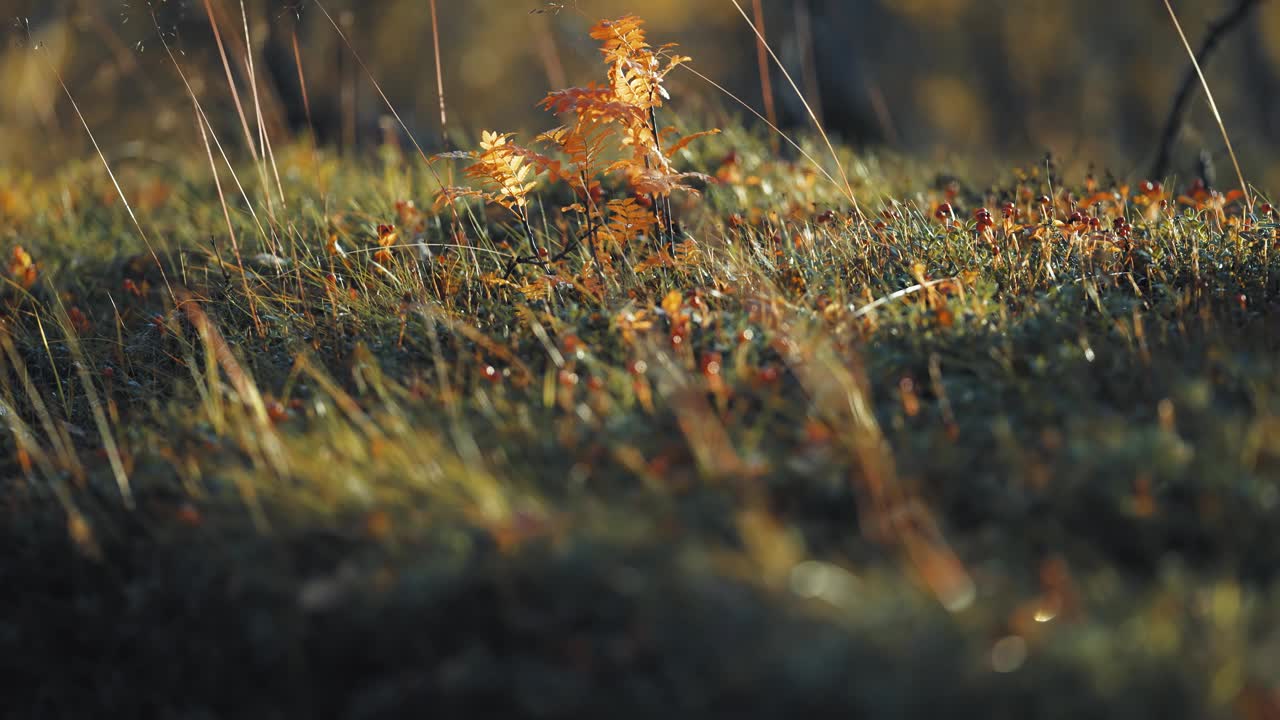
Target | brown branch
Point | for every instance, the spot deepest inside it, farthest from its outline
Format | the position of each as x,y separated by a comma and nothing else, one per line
1218,29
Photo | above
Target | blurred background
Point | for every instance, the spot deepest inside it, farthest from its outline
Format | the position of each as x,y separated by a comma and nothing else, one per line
994,82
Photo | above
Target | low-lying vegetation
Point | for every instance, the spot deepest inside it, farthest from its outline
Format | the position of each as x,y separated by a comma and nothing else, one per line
692,427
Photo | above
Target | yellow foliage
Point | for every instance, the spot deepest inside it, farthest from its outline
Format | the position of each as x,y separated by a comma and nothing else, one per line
22,268
617,118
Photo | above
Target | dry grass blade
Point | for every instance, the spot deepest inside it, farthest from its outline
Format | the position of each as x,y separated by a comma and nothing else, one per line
109,445
762,66
848,189
263,137
114,182
203,121
376,86
435,42
226,214
391,107
859,311
261,439
704,432
777,130
804,33
1213,105
889,512
302,84
235,97
61,443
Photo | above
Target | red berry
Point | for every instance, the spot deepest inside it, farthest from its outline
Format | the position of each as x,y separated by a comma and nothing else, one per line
711,364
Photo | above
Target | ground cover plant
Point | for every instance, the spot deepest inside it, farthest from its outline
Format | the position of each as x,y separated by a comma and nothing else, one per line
632,420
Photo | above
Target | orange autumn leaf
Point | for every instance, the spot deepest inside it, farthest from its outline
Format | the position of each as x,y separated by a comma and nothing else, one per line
661,258
612,129
387,235
683,142
672,302
78,320
22,268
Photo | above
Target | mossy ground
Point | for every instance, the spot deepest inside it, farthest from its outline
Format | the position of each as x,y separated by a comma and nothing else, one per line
748,480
